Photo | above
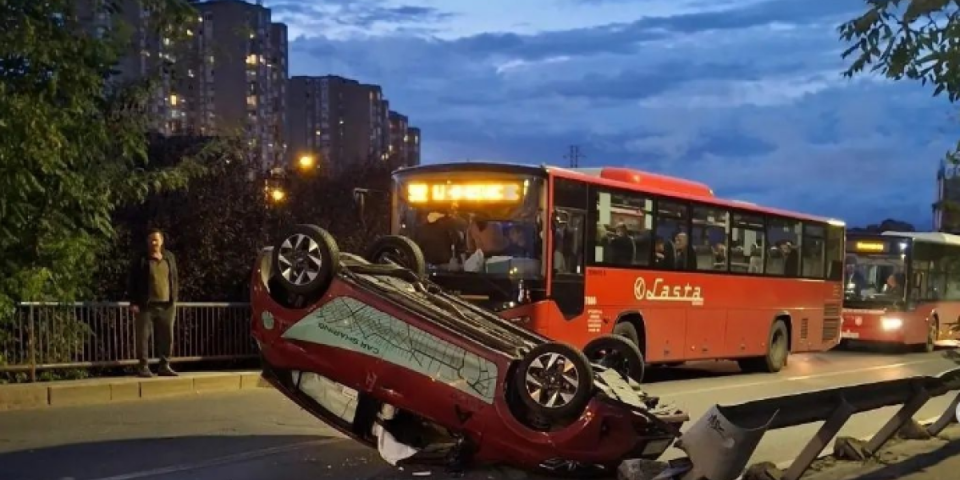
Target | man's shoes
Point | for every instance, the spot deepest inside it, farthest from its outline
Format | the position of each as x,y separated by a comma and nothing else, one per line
166,371
144,372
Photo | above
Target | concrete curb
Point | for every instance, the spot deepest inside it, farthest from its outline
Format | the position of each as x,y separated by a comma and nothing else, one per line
107,390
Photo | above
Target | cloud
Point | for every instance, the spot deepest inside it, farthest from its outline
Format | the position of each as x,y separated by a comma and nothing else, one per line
746,96
304,16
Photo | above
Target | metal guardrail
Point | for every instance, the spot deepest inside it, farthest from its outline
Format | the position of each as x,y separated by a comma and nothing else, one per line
721,442
102,334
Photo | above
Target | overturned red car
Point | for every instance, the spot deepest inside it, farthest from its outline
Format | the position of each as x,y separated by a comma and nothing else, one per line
371,347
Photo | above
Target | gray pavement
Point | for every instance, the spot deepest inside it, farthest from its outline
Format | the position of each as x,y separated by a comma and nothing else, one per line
258,434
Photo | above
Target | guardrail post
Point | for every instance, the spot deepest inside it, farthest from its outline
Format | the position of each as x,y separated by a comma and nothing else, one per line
32,344
948,417
827,432
905,414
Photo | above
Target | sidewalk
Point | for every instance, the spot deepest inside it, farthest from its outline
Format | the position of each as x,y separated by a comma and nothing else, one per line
119,389
934,459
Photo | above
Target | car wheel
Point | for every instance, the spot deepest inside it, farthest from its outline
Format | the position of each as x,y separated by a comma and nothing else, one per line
400,251
306,260
554,380
618,353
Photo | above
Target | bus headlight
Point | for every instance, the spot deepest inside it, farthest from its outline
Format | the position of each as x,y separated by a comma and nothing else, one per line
891,323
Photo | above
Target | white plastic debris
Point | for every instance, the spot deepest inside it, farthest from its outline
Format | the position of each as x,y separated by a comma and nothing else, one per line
390,449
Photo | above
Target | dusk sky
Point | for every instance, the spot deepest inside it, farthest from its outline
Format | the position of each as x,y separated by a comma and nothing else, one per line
744,95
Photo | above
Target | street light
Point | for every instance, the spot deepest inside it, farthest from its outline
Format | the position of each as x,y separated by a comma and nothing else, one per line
305,162
277,194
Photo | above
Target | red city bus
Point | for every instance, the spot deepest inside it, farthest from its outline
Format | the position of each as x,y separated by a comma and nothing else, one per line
576,253
902,288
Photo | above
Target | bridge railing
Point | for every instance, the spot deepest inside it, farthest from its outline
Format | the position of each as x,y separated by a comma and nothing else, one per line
102,334
722,441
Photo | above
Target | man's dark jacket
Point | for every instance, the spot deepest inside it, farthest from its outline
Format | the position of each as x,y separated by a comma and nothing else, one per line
139,282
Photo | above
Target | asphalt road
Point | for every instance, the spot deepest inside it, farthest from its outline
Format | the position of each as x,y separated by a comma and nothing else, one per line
259,435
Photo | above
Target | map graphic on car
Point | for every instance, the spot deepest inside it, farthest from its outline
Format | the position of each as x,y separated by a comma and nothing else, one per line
348,324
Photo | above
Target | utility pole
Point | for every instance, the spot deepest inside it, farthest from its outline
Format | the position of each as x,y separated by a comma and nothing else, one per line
574,156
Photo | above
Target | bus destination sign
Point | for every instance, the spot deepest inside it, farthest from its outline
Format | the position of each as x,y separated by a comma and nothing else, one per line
464,192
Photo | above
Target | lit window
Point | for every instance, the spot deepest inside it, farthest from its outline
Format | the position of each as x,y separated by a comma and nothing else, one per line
251,59
173,99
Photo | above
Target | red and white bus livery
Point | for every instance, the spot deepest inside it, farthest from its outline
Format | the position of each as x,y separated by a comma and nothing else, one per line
577,253
902,288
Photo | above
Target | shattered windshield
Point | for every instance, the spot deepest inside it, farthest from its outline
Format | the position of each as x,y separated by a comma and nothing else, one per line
874,280
476,223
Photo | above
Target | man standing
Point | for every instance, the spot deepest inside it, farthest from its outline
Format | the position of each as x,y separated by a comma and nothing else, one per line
154,288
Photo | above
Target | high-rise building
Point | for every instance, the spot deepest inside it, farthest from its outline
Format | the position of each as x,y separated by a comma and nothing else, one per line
398,139
337,120
413,147
946,208
227,75
148,55
239,82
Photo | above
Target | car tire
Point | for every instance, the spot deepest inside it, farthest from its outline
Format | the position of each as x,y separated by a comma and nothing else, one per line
616,352
306,260
398,250
554,381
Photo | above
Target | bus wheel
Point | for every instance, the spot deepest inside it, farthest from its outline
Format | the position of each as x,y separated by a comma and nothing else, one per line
618,353
554,381
778,349
400,251
932,333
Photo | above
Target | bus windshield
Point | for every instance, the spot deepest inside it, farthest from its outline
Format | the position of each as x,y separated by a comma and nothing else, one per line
874,280
474,223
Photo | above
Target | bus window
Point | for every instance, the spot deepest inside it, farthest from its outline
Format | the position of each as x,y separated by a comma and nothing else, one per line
783,257
835,253
672,242
814,250
491,228
709,238
568,237
570,208
929,263
624,223
747,244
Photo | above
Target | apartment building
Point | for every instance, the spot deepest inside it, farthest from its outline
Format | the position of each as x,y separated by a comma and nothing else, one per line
236,78
339,121
413,147
226,74
229,74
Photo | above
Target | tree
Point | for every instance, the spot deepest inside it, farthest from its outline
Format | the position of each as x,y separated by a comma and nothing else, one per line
914,39
72,143
332,202
215,225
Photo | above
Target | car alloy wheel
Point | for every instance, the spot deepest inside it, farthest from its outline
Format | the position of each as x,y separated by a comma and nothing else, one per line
300,260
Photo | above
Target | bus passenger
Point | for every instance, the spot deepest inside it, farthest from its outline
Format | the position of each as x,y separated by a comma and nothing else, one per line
438,239
683,249
485,235
517,246
622,247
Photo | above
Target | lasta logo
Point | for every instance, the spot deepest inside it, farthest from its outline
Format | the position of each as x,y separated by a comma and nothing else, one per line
662,291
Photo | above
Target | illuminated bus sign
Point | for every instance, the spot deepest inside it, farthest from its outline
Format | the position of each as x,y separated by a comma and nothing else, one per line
464,192
870,247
